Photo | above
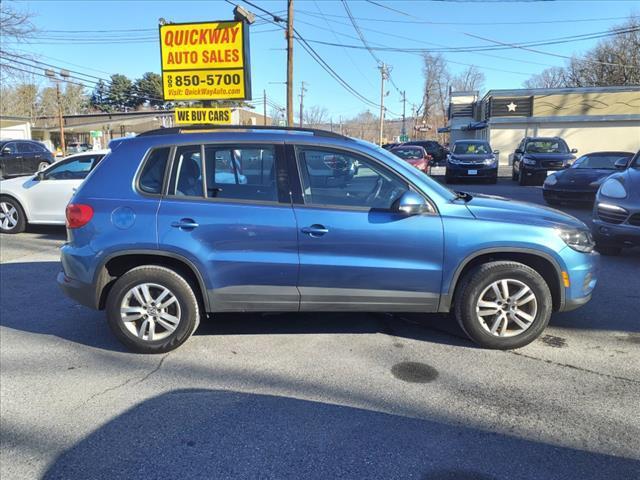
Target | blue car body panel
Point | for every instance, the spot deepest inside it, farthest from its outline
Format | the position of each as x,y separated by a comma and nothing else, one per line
254,256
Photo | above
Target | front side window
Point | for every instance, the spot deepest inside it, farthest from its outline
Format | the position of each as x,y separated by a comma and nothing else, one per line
152,175
242,173
9,149
73,169
337,178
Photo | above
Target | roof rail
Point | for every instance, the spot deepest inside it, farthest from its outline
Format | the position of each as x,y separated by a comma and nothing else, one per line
207,128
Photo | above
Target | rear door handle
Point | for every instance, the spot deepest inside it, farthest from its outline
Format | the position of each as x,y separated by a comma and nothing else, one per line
185,224
315,230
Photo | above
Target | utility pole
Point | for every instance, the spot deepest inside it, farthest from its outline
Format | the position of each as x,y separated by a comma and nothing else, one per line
264,105
290,63
404,107
64,74
302,90
384,72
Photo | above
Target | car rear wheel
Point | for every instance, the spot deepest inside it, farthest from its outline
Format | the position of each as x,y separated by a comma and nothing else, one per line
152,309
12,217
503,305
522,178
42,166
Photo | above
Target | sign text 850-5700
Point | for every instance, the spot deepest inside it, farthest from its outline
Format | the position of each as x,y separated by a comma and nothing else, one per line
205,61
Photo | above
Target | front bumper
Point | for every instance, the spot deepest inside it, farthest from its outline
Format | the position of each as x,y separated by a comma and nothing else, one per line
562,195
582,269
482,171
609,234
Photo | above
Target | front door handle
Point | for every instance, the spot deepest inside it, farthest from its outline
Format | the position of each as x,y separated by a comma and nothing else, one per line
315,230
185,224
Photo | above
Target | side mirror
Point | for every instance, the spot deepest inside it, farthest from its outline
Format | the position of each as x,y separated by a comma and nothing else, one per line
410,203
621,164
574,150
519,151
5,151
496,152
40,176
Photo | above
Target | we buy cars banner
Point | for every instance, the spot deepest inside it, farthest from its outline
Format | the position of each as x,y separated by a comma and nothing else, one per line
205,61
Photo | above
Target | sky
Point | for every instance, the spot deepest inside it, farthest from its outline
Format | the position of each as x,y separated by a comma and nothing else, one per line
418,24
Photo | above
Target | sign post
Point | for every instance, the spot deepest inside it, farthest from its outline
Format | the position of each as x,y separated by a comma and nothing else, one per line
205,61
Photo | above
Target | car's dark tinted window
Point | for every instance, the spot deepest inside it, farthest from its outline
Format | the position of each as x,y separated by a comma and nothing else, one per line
39,148
11,147
24,147
471,148
187,172
546,145
244,173
341,179
607,162
152,175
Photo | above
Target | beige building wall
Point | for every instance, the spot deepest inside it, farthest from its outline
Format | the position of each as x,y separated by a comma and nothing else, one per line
585,136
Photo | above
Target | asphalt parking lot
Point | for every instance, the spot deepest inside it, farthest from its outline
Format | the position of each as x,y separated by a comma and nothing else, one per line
316,395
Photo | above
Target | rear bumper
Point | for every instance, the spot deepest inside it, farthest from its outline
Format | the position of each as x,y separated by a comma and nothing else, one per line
82,293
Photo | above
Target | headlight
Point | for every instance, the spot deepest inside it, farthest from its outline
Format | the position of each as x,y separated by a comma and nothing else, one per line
613,188
490,161
579,240
551,180
453,160
529,161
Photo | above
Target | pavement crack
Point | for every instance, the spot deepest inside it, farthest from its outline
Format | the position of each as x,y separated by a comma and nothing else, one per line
567,365
128,380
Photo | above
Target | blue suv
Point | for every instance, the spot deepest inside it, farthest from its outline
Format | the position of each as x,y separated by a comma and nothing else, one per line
179,223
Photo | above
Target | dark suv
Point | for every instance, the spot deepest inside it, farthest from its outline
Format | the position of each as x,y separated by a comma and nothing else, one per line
23,157
438,152
537,157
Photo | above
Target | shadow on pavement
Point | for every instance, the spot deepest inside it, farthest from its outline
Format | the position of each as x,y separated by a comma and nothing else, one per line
225,434
49,232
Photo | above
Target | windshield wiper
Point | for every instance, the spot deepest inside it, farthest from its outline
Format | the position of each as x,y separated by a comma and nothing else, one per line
463,195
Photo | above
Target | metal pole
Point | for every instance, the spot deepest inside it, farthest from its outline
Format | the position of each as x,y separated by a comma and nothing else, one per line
264,105
383,74
302,90
290,63
60,120
404,106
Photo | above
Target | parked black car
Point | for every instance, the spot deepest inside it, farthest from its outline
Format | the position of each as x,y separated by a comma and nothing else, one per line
535,157
580,182
23,157
616,211
472,159
438,152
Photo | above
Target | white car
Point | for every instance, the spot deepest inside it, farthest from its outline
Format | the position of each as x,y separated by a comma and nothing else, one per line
42,198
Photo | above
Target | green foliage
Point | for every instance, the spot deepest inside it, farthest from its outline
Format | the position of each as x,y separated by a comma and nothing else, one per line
148,89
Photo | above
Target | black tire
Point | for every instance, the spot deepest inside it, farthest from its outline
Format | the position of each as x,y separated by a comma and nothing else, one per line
514,175
165,277
493,180
522,178
21,223
609,250
477,280
448,179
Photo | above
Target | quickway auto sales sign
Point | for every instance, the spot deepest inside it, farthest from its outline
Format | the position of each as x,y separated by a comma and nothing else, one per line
205,61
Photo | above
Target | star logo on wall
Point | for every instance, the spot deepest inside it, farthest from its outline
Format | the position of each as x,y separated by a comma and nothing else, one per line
511,107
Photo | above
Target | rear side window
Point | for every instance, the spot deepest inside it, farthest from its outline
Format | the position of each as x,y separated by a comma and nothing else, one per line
152,175
243,173
187,176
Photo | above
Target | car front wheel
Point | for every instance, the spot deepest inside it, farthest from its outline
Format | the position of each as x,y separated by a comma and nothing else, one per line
503,305
152,309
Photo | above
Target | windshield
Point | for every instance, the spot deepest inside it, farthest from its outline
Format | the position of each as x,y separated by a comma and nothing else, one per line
440,189
550,145
598,161
408,153
471,148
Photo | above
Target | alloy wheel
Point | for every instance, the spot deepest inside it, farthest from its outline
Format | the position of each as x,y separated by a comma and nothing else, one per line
8,216
42,166
150,311
506,308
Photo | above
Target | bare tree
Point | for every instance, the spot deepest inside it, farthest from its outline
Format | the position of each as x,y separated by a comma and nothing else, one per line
15,26
437,81
615,60
468,80
315,116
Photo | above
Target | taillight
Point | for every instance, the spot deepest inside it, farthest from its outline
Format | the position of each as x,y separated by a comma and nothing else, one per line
78,215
